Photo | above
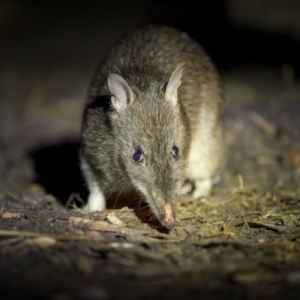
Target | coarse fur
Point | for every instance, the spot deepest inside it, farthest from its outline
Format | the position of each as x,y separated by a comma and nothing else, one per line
155,89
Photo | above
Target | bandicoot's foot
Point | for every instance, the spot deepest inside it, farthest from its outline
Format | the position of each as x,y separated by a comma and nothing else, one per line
96,202
202,188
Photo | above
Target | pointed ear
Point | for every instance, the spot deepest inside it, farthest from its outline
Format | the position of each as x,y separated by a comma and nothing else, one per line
173,85
122,95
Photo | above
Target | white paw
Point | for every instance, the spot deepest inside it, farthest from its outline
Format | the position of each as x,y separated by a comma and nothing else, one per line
202,188
186,188
96,202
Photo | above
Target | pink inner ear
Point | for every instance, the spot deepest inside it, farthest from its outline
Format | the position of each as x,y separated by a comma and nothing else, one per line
173,85
121,93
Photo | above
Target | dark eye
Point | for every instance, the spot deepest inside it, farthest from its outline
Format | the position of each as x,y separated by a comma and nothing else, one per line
175,151
138,156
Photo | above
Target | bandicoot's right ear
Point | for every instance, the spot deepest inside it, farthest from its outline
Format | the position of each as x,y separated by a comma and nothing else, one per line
122,95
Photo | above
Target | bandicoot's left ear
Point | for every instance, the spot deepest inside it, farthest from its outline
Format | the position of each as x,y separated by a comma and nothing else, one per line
173,85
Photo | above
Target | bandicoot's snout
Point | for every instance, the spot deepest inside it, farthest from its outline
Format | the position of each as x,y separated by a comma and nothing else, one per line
168,221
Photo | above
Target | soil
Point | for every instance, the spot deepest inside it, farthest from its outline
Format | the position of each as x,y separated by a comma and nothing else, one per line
242,242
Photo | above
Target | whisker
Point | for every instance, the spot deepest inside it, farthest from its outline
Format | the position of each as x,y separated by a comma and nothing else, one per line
107,196
152,218
144,207
120,192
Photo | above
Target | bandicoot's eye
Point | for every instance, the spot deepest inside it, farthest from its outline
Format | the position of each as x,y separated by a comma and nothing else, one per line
138,156
175,151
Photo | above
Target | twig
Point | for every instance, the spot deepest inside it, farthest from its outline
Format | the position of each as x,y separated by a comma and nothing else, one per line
43,234
262,123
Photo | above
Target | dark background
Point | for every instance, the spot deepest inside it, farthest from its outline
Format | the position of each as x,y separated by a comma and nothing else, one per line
235,33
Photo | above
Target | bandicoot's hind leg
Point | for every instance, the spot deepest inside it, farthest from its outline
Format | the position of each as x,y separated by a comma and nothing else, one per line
204,162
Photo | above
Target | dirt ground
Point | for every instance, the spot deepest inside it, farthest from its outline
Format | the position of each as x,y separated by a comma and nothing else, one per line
240,243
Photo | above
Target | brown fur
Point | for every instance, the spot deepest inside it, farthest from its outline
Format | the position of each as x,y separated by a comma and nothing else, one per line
146,59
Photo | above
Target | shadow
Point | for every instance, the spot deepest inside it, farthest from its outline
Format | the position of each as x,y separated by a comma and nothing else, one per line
58,171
